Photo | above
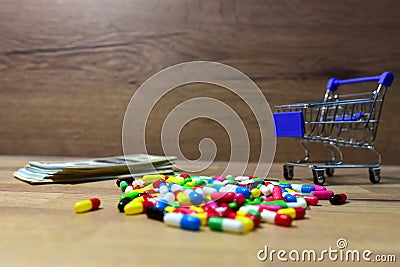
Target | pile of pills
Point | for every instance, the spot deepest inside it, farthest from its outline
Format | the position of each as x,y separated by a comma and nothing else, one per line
230,204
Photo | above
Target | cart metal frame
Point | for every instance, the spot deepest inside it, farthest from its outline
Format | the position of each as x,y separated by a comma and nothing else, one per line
345,120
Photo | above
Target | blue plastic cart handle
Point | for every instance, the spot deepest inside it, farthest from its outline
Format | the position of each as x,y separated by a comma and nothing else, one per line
385,79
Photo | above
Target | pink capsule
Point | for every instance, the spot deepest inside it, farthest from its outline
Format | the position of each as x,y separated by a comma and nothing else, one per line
223,197
219,178
319,187
326,194
277,192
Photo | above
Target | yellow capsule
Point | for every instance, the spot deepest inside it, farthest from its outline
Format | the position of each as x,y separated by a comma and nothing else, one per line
248,224
138,199
241,212
133,207
139,190
191,184
290,190
149,178
169,209
288,211
148,187
183,199
255,192
176,180
202,216
87,205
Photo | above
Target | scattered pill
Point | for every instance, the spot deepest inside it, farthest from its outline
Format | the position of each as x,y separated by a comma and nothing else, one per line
228,204
87,205
183,221
338,199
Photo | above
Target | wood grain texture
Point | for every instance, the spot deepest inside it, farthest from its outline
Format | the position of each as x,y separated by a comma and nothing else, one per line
39,227
69,68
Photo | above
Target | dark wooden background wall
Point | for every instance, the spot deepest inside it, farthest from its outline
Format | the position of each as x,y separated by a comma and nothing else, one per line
69,68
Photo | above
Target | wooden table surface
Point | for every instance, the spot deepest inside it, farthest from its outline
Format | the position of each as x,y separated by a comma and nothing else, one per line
38,226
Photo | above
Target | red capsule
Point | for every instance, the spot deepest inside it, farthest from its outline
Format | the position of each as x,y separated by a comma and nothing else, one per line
239,199
157,183
283,220
184,210
311,200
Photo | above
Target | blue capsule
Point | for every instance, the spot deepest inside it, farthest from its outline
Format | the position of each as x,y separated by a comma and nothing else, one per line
303,188
243,190
183,221
195,197
161,205
289,198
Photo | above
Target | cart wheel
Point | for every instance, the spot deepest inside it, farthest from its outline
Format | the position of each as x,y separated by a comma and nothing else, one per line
318,176
374,175
330,171
288,172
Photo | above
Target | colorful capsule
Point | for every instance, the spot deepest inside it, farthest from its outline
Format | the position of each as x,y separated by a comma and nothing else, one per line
225,197
225,225
289,197
255,192
122,203
195,198
248,223
123,185
183,221
300,203
182,198
266,190
131,195
269,207
157,183
202,216
137,207
277,192
323,194
319,187
128,180
338,199
87,205
303,188
275,218
294,213
155,213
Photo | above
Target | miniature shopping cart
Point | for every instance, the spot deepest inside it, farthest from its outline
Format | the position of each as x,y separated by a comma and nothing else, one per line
338,121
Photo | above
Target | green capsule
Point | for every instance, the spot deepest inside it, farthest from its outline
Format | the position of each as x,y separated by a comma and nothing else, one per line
234,206
175,205
123,185
187,180
131,195
225,224
258,200
200,183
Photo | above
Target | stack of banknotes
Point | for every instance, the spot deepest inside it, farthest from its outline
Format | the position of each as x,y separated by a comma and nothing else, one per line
38,172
